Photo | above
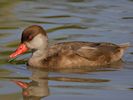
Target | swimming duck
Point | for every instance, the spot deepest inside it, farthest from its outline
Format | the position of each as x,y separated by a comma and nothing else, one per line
73,54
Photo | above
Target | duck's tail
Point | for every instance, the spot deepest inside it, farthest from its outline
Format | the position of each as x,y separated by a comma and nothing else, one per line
124,45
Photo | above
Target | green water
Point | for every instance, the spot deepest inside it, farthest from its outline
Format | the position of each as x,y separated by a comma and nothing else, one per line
66,20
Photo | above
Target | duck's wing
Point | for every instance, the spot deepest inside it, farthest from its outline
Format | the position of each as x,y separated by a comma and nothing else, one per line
67,46
89,50
92,53
103,51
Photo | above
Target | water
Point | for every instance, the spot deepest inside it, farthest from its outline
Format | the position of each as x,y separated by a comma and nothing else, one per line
66,20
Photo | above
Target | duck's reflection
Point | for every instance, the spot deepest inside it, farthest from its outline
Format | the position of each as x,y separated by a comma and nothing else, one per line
37,88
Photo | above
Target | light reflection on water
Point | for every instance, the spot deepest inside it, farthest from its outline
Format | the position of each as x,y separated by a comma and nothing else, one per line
67,20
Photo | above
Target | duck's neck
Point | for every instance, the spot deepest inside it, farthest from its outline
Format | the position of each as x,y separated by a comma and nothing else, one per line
38,56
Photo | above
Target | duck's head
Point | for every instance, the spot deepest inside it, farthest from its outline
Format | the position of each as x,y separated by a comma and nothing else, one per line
34,37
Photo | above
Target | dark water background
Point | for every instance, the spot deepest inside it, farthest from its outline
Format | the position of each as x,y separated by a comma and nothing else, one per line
67,20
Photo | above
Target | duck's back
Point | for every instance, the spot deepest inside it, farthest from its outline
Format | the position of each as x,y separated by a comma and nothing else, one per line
80,54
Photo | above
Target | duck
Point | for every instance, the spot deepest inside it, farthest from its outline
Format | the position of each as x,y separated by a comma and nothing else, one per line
73,54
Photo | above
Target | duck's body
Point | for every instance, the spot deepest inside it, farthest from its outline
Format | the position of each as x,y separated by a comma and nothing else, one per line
68,54
79,54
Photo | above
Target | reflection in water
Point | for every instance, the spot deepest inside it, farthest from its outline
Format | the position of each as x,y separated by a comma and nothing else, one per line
38,87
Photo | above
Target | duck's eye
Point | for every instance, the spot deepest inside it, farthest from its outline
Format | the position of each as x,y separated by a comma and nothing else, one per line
30,37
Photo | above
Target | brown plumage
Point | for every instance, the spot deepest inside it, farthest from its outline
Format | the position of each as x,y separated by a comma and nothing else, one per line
68,54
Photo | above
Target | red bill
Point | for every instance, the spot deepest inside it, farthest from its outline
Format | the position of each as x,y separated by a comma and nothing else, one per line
21,49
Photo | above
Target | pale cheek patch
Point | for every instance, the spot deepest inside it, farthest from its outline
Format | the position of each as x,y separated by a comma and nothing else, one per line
38,42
